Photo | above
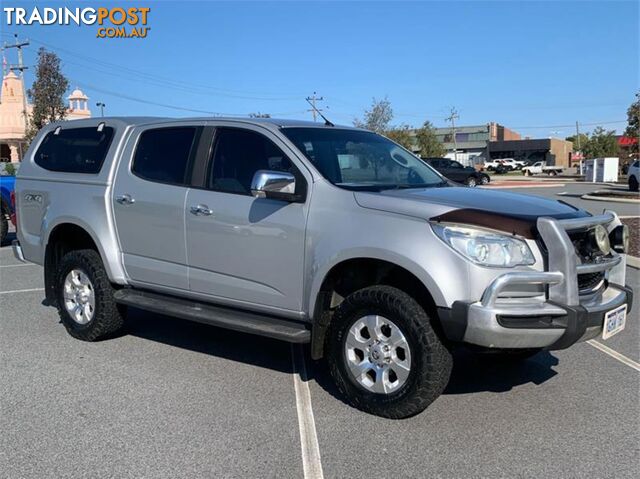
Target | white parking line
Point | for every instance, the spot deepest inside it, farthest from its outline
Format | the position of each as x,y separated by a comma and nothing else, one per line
22,291
614,354
17,265
311,464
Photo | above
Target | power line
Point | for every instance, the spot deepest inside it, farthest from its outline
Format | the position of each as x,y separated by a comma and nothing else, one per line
452,118
21,68
173,107
571,125
157,79
311,100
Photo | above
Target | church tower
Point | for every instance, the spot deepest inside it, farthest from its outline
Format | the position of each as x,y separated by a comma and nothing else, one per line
12,118
78,105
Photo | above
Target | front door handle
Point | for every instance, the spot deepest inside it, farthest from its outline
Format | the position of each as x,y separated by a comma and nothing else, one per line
125,199
201,210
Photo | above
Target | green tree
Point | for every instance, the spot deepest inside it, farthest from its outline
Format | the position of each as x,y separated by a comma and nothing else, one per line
428,143
46,93
633,125
259,115
402,135
378,117
579,141
601,144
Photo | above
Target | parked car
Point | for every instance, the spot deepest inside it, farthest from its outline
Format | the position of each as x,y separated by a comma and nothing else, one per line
541,167
633,175
455,171
497,166
7,185
310,233
491,165
512,164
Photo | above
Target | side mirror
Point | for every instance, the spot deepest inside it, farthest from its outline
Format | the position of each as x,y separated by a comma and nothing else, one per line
277,185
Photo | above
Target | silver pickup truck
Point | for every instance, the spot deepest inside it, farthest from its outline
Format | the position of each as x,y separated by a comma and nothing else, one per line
311,233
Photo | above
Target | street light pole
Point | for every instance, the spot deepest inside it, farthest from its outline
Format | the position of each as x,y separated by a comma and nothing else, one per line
101,105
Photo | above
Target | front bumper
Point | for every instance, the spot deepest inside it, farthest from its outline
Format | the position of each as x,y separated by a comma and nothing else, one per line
522,324
560,319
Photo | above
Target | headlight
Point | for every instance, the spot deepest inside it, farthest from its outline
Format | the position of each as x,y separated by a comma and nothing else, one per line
484,247
600,239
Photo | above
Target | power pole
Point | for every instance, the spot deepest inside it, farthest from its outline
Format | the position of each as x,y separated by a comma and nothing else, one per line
312,101
21,68
578,136
452,118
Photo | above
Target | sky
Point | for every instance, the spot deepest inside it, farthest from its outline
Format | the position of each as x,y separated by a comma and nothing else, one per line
536,67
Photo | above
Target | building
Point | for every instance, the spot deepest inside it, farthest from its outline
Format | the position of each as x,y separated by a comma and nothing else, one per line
472,141
626,149
554,151
78,105
12,118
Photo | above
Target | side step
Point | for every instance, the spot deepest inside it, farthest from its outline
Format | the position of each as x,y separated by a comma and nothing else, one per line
243,321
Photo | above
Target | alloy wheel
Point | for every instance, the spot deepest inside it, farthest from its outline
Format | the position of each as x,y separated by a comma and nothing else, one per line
378,354
79,296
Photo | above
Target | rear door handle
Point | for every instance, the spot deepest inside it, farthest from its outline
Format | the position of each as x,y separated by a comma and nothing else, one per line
201,210
125,199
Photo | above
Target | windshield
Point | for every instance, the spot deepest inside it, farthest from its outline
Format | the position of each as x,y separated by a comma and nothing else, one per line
362,160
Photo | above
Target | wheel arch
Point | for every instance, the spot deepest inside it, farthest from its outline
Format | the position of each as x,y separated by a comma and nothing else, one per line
64,236
351,274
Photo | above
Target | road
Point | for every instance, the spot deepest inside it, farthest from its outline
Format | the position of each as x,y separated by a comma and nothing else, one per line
571,192
170,398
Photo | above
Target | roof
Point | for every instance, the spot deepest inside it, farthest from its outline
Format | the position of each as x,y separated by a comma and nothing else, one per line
144,120
77,94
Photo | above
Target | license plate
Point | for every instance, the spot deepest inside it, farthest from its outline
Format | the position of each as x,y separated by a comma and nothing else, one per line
614,321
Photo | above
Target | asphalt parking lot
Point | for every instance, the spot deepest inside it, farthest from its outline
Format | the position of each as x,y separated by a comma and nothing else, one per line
170,398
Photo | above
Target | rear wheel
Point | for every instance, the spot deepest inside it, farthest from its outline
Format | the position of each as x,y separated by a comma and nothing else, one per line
633,183
383,354
553,173
471,182
85,297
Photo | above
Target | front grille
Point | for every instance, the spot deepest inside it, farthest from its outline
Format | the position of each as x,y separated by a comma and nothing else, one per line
588,282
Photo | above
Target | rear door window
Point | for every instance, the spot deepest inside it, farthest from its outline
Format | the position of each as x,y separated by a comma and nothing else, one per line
74,150
163,154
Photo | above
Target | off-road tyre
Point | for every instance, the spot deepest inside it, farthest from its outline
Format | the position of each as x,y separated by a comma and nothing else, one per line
431,361
107,317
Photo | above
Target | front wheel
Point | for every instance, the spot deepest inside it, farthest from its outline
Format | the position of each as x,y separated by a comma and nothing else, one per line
484,180
383,354
85,297
471,182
